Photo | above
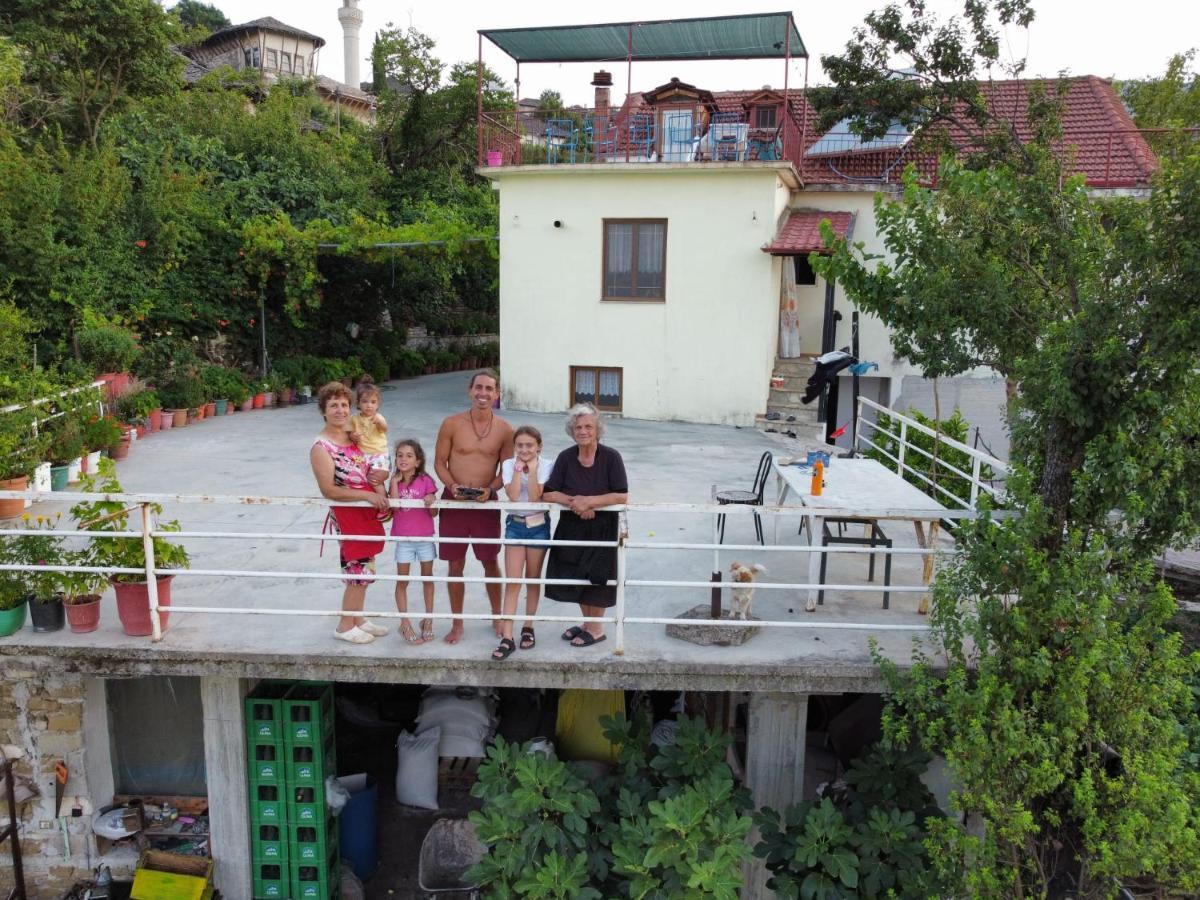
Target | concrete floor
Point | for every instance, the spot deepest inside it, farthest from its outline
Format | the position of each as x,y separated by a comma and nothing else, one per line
266,453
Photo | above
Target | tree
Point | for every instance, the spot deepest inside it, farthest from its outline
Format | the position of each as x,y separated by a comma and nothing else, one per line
89,57
1172,101
199,20
1051,688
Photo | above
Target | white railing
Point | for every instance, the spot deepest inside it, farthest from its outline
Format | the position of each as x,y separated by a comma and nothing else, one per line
986,470
42,401
140,508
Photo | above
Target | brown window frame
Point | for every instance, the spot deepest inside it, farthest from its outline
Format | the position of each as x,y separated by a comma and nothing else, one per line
595,401
774,108
604,295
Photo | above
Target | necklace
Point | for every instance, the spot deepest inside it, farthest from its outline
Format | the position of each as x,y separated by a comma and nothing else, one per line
486,431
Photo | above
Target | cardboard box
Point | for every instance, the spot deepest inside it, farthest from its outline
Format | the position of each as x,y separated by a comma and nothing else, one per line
171,876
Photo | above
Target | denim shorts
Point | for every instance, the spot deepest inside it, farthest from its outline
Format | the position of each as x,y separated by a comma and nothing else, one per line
415,551
515,529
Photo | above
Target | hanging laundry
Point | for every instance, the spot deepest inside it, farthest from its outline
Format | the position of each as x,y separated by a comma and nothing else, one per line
863,368
828,365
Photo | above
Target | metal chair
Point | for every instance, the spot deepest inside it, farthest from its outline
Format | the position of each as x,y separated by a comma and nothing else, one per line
641,136
600,137
752,497
561,137
876,539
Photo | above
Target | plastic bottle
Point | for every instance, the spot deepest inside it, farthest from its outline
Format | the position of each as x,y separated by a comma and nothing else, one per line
818,478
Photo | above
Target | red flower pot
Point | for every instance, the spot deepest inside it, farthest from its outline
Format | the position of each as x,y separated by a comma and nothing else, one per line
119,450
84,614
156,420
10,508
259,400
133,604
210,409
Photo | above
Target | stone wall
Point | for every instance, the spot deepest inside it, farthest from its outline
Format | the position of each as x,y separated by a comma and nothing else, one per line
42,717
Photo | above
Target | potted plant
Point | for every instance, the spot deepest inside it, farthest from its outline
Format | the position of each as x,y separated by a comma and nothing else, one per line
237,389
14,600
39,546
109,351
181,392
66,445
132,591
81,594
20,456
100,433
140,405
276,386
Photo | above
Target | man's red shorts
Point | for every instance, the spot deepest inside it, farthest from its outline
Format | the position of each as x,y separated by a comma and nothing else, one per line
468,523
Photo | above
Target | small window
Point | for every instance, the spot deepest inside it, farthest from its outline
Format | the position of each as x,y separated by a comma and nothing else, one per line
764,116
635,259
804,270
286,63
603,388
272,60
251,55
299,64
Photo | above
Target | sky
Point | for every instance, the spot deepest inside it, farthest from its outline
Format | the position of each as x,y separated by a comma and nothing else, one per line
1080,37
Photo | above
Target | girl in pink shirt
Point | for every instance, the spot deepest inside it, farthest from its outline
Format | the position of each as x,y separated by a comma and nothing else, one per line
409,482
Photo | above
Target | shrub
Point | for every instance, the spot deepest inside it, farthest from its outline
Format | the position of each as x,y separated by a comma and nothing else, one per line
107,348
375,364
182,391
409,362
66,441
920,469
101,432
291,369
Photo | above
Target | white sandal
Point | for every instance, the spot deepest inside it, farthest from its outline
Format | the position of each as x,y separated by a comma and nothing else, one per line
371,628
355,635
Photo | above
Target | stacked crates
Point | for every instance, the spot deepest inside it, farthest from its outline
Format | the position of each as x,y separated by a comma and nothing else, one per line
309,758
265,764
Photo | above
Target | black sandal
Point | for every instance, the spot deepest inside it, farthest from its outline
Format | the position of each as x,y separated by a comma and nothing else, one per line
528,640
571,633
505,650
586,639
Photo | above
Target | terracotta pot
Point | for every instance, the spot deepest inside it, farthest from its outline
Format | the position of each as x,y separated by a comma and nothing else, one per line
119,450
179,417
269,399
12,620
47,616
84,614
194,416
155,420
140,431
133,604
166,419
247,404
115,383
259,400
10,508
210,409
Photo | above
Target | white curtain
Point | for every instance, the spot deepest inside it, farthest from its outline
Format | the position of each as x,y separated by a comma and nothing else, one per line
619,264
585,385
610,388
650,259
789,318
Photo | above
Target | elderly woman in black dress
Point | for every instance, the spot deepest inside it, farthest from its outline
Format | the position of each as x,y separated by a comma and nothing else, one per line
585,477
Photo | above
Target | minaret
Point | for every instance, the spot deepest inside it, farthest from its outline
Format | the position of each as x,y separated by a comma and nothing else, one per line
351,18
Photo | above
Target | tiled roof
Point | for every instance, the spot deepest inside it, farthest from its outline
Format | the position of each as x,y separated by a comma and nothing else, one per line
327,85
1097,131
267,23
801,231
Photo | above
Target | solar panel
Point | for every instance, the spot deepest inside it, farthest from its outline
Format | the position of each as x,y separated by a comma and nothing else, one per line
841,141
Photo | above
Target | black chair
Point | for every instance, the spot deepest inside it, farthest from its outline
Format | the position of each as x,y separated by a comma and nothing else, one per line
752,497
877,539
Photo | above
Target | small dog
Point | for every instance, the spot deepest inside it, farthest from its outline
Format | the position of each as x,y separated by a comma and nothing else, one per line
742,596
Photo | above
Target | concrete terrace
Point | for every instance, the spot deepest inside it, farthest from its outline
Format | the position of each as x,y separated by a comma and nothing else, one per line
266,453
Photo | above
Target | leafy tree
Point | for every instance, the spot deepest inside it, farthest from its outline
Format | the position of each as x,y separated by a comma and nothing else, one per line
1052,688
1172,101
89,57
198,19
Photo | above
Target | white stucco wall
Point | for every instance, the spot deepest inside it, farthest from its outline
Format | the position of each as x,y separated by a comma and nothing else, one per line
704,355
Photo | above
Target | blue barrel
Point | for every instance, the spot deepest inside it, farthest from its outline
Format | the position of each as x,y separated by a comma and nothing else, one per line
357,827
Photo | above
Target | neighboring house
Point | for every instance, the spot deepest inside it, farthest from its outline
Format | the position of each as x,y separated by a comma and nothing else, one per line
277,50
652,275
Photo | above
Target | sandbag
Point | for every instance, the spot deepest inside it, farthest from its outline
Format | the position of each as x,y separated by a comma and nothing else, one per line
417,768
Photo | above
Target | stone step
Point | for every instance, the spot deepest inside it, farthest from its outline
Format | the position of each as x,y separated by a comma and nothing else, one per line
784,397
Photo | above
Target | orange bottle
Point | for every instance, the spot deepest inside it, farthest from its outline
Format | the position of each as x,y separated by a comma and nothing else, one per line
818,478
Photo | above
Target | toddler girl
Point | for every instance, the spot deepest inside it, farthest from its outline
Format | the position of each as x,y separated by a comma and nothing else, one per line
411,483
368,429
523,477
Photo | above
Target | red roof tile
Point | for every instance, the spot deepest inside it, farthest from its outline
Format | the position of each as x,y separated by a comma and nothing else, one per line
801,232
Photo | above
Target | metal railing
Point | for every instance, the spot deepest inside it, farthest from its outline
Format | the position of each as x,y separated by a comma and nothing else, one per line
897,447
143,505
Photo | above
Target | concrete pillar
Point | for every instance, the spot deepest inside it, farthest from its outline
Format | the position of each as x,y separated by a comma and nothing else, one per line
775,739
351,18
225,766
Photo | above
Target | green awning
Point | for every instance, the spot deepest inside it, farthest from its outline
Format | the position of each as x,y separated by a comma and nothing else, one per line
762,36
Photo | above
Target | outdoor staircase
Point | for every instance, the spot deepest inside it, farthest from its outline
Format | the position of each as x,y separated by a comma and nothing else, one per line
786,401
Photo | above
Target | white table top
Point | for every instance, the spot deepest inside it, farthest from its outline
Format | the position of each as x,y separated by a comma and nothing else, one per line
857,484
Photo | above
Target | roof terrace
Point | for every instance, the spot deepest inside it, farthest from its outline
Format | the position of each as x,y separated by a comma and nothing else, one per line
259,598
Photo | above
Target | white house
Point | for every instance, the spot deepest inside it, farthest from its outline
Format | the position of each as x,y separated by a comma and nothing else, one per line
656,261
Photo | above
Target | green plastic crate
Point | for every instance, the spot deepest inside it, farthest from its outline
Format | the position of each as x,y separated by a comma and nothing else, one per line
266,762
269,843
316,882
306,805
308,713
310,764
269,804
272,880
264,710
313,844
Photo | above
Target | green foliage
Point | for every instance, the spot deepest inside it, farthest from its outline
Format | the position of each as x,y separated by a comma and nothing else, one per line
66,440
37,545
937,463
107,348
113,515
195,16
864,841
101,432
138,404
1172,101
409,362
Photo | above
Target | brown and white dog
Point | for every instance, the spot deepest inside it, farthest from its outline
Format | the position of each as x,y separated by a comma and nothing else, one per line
745,576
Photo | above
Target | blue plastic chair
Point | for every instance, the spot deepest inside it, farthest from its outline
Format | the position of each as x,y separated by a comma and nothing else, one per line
561,135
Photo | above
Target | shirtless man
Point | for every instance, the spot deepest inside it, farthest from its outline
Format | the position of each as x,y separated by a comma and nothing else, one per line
470,446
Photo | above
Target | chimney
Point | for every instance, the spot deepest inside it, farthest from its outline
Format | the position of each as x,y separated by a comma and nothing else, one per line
351,18
602,82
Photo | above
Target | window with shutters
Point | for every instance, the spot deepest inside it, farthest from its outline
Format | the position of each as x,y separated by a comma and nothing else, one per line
635,259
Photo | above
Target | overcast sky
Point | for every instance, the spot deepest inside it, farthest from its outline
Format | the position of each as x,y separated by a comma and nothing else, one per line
1081,37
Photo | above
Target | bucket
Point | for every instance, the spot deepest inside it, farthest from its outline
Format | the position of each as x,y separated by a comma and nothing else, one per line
357,825
495,158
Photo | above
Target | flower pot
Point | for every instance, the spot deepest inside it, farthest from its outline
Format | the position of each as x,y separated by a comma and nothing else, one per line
10,508
83,615
47,615
210,409
119,450
197,413
12,620
58,478
268,399
133,604
247,404
495,158
179,418
75,470
91,462
155,417
138,432
259,400
221,407
115,383
166,419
